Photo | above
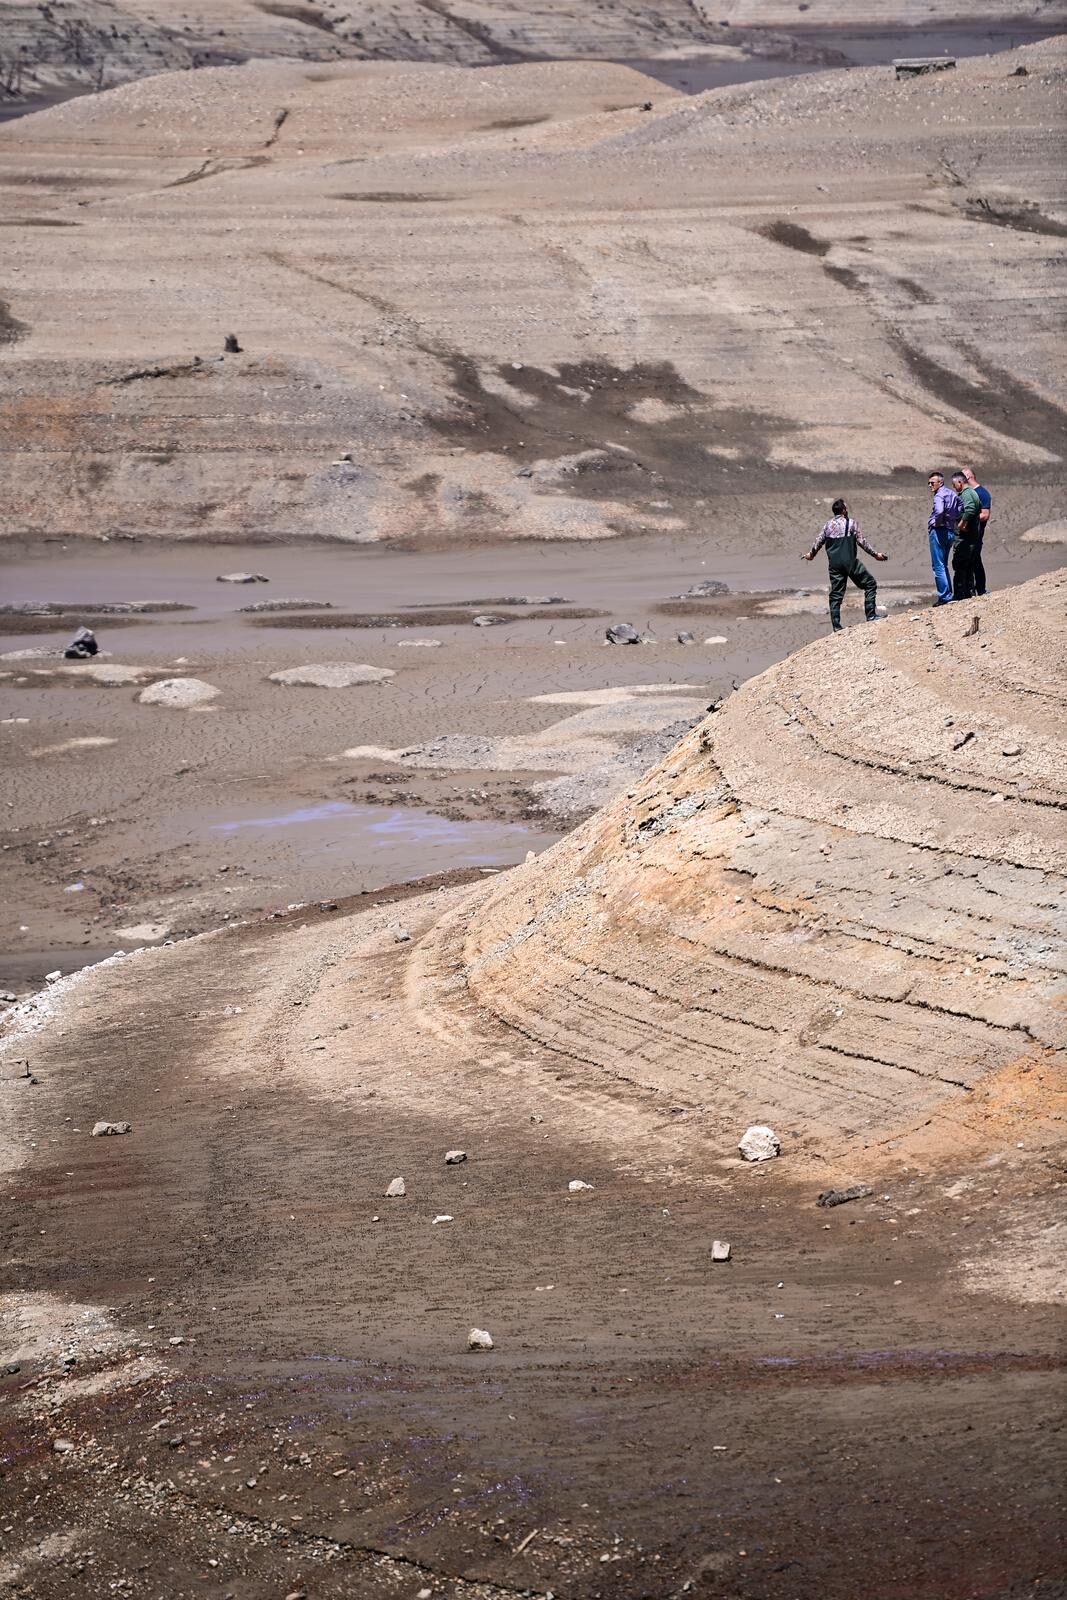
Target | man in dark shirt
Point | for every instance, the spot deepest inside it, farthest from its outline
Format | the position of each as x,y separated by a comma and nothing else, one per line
985,501
965,545
841,536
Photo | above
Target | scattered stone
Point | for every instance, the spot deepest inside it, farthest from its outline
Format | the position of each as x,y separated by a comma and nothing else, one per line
82,645
62,1447
260,607
102,1130
396,1190
717,638
685,637
454,1157
242,577
10,1368
622,633
230,345
720,1250
840,1197
706,589
418,644
53,977
332,675
759,1143
401,936
484,620
444,1217
576,1184
1012,750
176,1339
478,1339
179,694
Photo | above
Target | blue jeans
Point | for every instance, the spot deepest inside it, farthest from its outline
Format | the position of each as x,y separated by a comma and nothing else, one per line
940,546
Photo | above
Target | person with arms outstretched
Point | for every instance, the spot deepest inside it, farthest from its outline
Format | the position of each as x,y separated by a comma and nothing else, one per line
841,536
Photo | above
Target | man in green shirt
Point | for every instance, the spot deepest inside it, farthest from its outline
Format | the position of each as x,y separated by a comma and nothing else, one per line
965,551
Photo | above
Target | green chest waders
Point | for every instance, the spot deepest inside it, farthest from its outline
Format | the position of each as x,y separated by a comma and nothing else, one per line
843,556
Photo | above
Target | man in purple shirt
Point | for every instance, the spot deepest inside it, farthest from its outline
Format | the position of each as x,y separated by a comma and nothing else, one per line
944,516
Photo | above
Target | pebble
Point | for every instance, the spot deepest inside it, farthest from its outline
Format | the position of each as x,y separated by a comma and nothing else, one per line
454,1157
396,1190
720,1250
759,1143
479,1339
576,1184
102,1129
444,1217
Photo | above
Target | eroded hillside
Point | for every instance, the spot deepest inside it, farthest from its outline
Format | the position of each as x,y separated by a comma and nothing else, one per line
550,300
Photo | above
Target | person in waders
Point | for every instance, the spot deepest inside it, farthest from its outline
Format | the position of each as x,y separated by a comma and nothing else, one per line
841,536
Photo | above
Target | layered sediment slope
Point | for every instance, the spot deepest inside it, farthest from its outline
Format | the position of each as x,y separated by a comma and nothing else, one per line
838,905
527,301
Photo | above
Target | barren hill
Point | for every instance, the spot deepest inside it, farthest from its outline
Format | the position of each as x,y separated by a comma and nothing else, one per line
836,907
539,300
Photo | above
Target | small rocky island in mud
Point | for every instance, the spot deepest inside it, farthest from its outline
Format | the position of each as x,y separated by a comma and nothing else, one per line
528,1066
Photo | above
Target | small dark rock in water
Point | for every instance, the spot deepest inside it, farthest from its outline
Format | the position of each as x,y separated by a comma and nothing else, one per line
230,345
706,589
82,646
838,1197
622,633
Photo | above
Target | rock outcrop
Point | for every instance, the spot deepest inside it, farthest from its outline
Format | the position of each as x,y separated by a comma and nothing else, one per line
838,905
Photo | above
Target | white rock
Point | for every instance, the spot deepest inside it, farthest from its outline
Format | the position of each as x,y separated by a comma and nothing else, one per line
180,694
241,577
454,1157
102,1129
62,1447
759,1143
478,1339
444,1217
720,1250
332,675
418,644
576,1184
396,1190
177,1339
53,977
717,638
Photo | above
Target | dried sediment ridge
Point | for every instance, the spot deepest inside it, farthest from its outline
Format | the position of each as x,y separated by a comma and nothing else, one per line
837,905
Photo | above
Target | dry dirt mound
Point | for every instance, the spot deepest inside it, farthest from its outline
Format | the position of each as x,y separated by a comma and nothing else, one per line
837,906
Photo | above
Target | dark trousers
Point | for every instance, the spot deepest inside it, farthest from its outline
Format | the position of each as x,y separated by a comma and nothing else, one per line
966,568
839,577
979,569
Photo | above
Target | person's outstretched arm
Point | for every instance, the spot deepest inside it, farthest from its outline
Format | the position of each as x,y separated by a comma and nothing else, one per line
861,541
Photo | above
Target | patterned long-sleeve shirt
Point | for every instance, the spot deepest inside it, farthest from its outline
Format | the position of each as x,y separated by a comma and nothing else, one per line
840,528
946,509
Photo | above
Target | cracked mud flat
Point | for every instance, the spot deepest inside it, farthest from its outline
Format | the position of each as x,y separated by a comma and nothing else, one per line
865,1400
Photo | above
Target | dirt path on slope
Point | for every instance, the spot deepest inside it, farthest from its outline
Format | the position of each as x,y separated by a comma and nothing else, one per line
767,1428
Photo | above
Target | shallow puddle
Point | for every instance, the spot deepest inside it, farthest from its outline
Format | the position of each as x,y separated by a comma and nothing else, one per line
336,824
